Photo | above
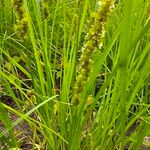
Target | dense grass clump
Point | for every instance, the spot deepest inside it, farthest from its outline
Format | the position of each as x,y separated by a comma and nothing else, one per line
74,74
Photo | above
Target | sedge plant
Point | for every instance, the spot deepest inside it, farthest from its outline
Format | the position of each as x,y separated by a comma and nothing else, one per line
81,68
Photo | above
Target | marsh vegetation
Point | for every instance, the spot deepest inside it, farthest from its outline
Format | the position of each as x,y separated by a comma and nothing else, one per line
74,74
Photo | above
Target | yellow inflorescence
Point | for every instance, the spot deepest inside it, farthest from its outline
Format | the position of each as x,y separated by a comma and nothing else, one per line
93,40
21,26
45,8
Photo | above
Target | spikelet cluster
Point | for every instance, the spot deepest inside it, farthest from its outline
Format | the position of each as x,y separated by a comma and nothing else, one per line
21,26
45,8
93,40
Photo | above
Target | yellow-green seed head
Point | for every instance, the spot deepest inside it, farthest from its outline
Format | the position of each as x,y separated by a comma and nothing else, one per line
93,40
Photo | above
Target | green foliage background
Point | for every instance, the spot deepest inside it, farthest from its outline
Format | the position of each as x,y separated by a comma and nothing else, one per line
40,47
